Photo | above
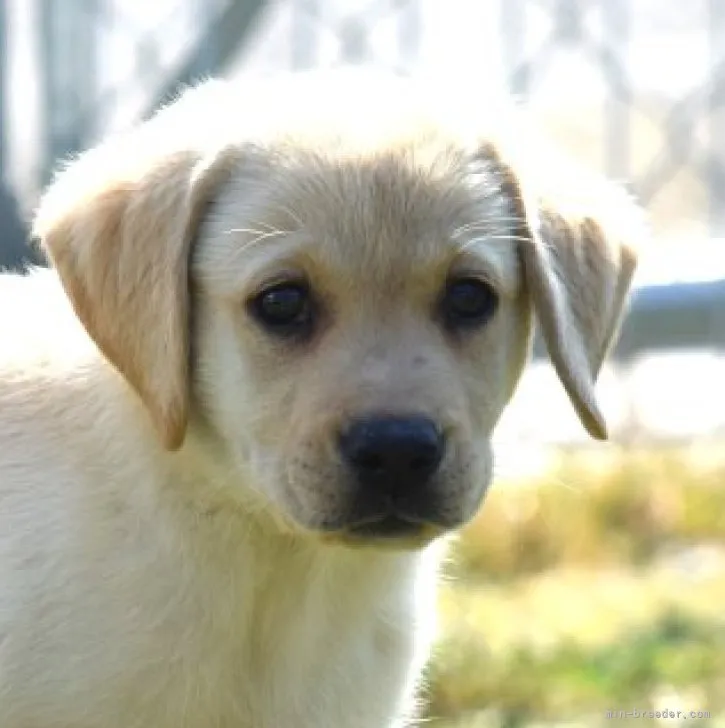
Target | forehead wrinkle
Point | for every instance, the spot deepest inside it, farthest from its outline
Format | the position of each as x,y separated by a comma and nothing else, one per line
376,209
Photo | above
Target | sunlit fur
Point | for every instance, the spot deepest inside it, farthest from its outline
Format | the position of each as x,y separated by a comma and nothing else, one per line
173,550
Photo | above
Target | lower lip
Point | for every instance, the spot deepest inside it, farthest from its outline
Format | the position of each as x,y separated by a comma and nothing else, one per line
389,527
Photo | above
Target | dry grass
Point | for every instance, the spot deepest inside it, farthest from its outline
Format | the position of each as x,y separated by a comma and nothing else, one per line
601,587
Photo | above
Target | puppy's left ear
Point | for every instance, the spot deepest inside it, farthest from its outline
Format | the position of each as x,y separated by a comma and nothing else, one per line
578,235
117,226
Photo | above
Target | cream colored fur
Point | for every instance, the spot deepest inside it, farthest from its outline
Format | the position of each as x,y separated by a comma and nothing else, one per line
165,467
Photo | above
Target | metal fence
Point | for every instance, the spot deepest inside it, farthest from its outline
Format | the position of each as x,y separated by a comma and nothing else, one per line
703,102
615,40
175,41
640,92
658,139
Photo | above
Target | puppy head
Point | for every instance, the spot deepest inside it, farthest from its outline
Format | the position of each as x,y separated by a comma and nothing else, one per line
356,308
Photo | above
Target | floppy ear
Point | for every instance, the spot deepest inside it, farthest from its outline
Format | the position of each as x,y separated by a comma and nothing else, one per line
117,226
577,246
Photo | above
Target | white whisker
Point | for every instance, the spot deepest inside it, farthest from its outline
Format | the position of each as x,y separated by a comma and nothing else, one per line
493,220
288,211
471,244
260,235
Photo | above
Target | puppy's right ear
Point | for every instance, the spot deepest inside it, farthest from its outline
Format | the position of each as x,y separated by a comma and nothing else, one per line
117,225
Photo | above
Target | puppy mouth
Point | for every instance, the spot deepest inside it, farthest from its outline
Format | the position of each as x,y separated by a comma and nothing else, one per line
390,527
387,532
387,526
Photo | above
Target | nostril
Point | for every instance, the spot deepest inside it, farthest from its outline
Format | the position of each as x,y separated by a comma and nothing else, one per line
424,461
369,461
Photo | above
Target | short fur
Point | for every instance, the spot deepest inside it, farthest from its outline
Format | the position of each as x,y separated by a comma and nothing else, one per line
173,550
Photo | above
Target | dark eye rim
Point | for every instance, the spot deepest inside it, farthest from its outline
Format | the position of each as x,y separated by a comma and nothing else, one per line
297,327
457,320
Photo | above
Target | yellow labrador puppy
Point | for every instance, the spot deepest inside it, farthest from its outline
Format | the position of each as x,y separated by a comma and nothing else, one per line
258,386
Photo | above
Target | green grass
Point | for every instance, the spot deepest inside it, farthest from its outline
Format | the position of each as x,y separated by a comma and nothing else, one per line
562,602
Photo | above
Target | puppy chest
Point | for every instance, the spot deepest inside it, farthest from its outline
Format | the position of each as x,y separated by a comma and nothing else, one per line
247,652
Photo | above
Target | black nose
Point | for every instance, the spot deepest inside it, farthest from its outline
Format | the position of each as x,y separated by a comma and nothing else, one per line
395,452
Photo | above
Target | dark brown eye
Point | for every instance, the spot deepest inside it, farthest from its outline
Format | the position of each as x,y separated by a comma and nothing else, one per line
468,302
284,309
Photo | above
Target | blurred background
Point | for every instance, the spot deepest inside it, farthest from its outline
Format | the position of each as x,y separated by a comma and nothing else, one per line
591,588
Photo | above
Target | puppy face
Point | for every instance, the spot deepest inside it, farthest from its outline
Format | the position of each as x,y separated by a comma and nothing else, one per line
360,325
343,308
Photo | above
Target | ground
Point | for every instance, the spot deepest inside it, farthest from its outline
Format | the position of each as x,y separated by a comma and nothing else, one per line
596,587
